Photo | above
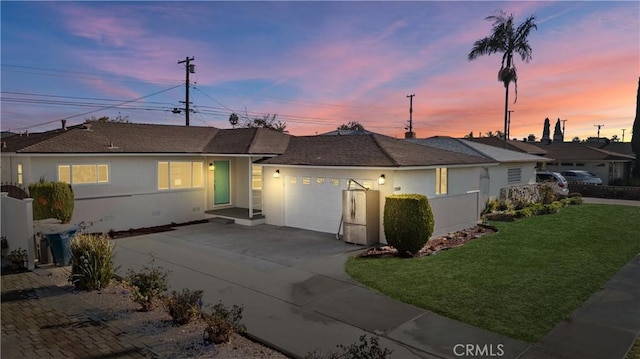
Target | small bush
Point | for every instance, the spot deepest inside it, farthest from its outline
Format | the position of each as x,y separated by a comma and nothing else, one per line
184,306
217,330
222,322
490,207
148,285
408,222
505,205
552,208
362,350
525,213
574,194
18,258
547,194
52,200
575,200
91,262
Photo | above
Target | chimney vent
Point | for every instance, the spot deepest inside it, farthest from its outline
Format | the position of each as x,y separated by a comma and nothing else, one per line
64,125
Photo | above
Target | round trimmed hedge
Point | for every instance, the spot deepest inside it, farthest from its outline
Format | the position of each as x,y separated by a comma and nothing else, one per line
408,222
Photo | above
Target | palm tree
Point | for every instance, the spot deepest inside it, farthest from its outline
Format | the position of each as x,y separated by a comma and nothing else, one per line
507,40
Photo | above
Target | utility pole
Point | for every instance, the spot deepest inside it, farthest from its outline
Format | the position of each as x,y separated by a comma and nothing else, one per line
188,69
624,129
410,128
598,126
563,121
506,135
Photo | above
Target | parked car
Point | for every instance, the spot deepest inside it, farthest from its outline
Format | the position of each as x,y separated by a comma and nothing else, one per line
555,179
581,176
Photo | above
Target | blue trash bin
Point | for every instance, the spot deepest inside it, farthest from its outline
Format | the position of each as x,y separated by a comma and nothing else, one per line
60,244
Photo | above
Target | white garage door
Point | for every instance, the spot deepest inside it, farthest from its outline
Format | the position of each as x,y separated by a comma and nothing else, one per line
313,203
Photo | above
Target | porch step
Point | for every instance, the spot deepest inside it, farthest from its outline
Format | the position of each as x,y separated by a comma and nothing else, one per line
220,220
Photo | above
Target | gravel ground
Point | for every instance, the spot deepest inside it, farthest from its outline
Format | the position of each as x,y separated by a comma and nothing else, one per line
176,341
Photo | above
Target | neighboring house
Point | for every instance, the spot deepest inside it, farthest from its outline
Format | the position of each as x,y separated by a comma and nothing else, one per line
607,160
303,187
607,165
519,146
127,175
514,169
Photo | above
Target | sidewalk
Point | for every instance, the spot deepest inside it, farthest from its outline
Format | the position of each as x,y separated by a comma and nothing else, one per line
621,202
41,320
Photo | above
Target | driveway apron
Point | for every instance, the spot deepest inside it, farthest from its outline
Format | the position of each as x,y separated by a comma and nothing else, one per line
296,295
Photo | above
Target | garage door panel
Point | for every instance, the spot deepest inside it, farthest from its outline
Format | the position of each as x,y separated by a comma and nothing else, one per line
313,204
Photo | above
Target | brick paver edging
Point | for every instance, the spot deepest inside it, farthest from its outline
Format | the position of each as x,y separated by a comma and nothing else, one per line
41,320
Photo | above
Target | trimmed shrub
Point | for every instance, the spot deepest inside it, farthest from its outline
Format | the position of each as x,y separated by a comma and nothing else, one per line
52,200
91,262
184,306
408,222
148,285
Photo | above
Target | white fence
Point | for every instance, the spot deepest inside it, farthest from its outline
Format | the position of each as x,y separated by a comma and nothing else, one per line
17,225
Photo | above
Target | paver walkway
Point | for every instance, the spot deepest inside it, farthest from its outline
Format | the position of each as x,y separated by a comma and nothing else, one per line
41,320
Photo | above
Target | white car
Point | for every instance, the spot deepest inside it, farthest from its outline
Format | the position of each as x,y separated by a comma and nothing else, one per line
557,182
581,176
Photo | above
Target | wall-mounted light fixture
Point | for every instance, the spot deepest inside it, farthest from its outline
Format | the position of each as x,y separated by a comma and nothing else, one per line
211,167
276,174
381,179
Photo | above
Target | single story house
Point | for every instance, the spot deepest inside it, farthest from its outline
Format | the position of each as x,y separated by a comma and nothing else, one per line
127,175
607,165
607,160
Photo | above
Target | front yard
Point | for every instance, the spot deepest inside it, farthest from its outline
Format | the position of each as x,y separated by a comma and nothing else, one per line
519,282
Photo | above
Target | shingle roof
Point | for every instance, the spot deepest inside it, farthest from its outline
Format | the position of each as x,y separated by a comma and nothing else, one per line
478,149
519,146
619,147
17,142
113,137
569,151
371,150
248,141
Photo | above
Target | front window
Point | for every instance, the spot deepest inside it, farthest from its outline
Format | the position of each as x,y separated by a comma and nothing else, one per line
180,175
441,180
20,179
83,174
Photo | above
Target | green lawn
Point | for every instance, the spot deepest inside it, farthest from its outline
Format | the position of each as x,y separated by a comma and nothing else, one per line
519,282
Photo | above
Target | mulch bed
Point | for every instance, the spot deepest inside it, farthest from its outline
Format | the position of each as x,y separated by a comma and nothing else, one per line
435,245
150,230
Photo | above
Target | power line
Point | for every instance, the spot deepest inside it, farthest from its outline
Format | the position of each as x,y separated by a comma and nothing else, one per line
97,110
81,74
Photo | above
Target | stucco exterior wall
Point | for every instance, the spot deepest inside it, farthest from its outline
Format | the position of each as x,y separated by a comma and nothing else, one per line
131,198
459,208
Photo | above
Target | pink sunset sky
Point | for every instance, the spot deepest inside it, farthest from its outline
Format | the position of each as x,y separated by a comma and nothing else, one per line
318,65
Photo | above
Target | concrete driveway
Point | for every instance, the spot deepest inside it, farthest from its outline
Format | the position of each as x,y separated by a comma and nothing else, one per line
295,293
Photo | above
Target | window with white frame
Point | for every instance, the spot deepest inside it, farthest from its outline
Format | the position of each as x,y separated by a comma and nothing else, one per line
84,173
180,175
441,180
514,175
20,179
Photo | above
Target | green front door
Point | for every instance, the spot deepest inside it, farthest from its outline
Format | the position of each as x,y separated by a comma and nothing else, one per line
221,183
